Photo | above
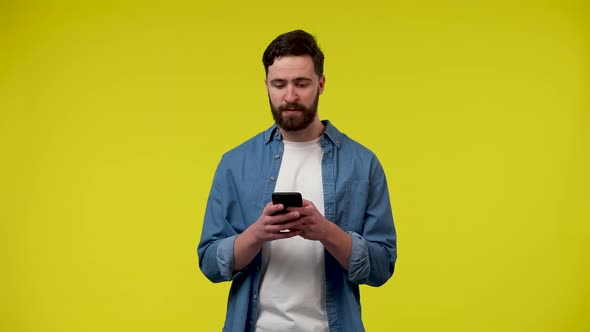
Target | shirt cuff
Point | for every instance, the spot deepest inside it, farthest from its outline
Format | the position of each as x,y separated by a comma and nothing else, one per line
359,264
225,257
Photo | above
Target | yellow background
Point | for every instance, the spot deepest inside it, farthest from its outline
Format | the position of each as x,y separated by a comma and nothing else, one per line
113,116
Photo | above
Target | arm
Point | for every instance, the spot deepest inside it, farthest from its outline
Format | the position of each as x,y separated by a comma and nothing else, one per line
266,228
338,244
369,257
374,250
222,251
215,249
316,227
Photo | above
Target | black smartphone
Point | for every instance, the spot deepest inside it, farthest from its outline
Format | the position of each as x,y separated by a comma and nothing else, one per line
288,199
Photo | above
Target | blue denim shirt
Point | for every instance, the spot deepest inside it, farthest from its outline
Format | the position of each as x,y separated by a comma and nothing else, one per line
356,198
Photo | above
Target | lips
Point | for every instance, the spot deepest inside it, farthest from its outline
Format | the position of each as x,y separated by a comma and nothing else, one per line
295,107
292,111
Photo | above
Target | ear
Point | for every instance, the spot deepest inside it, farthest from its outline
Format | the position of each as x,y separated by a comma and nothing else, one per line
322,83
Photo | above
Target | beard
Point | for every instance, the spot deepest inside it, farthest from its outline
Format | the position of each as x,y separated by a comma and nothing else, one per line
297,121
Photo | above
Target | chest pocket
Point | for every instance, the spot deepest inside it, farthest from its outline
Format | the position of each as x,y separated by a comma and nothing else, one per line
353,204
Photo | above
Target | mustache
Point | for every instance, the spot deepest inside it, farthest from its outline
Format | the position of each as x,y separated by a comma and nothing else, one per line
291,106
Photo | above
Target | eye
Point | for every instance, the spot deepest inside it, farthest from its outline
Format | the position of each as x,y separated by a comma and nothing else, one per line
302,84
277,84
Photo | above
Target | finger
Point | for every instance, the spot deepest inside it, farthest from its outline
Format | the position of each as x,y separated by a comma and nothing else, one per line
283,227
307,203
294,226
271,208
293,209
284,218
303,211
307,209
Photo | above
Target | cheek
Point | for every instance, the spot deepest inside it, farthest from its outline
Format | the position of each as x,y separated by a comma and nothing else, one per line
275,102
275,98
309,98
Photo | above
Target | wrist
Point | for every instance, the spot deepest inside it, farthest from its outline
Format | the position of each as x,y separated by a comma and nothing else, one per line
330,230
250,239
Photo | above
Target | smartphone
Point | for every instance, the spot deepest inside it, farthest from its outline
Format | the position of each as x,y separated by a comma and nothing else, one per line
288,199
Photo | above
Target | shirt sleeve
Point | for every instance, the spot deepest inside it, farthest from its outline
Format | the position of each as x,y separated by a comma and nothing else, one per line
359,266
374,250
216,247
225,257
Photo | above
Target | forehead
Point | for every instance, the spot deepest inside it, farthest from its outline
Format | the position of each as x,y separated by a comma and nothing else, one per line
291,66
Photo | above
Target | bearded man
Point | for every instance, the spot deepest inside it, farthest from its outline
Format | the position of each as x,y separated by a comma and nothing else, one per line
300,270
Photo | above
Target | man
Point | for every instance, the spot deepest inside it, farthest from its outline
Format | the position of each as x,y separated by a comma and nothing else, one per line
298,271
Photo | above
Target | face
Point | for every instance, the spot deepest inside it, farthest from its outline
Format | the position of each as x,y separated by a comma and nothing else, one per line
293,91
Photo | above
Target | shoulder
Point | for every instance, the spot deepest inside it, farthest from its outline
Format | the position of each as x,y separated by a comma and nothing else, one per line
354,155
251,148
355,147
347,145
363,158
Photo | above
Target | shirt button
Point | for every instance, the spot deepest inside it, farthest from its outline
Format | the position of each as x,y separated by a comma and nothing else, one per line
272,178
277,156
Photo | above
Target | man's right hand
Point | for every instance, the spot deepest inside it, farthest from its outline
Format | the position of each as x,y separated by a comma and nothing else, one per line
268,227
271,227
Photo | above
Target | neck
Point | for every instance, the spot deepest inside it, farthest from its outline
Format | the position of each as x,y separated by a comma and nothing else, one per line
313,131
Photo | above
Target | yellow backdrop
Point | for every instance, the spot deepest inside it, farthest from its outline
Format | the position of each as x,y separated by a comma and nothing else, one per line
113,116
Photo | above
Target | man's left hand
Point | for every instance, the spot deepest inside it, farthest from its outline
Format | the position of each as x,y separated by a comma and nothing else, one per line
315,226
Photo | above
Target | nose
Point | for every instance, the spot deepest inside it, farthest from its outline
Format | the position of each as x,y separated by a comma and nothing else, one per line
290,94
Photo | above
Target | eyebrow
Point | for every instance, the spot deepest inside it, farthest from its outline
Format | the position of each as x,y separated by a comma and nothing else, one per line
281,80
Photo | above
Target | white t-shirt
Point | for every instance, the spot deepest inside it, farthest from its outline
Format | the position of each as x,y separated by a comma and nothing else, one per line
292,287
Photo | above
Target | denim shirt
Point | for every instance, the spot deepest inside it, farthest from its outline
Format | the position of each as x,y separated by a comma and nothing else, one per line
356,199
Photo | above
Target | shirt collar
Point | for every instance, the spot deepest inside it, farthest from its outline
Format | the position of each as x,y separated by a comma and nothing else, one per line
331,132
